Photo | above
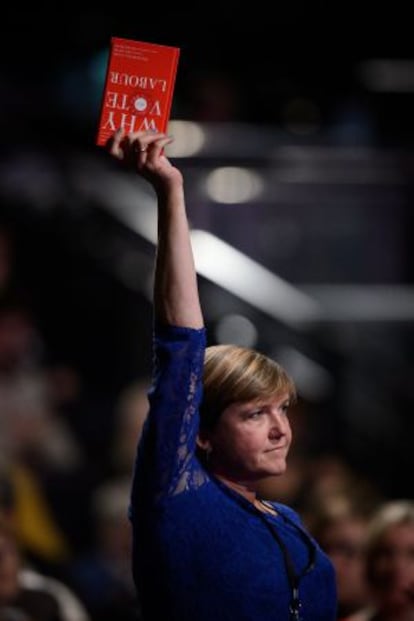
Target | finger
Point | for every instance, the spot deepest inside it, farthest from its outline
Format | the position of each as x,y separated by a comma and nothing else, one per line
139,147
142,140
114,143
145,137
155,149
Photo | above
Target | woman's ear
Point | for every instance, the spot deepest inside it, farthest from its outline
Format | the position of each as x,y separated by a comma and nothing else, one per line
203,443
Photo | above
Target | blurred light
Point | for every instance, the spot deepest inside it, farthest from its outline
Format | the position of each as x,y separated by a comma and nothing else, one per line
236,329
131,201
232,185
344,165
364,302
189,139
387,75
312,380
250,281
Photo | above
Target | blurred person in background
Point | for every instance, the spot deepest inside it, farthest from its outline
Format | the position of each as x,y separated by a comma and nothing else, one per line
27,595
36,438
22,574
102,576
131,410
46,462
389,564
340,527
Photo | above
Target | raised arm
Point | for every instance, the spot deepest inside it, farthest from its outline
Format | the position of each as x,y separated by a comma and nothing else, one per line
176,299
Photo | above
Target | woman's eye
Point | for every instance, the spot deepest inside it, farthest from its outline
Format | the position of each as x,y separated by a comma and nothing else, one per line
255,413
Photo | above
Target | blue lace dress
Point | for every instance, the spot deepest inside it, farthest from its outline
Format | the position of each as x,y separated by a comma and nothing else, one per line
202,552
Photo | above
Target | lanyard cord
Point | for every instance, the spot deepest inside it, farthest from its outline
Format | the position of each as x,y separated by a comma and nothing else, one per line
293,577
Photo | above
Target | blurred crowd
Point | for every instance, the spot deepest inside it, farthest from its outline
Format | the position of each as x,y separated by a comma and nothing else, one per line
65,542
64,532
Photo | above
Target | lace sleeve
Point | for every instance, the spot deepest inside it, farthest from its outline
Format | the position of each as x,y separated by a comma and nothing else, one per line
166,463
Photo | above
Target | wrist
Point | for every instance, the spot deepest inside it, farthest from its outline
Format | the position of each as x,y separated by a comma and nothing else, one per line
170,189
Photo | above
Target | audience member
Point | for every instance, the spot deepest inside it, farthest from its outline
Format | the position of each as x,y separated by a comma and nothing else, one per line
103,577
23,589
26,595
340,527
389,554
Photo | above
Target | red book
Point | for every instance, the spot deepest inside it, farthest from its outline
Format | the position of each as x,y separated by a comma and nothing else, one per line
138,89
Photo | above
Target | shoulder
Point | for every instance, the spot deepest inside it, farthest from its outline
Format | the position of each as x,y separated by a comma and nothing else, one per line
288,512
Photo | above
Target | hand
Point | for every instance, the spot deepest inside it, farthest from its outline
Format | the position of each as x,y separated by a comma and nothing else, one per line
144,153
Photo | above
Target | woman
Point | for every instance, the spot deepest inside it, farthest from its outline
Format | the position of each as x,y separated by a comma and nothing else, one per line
389,558
340,525
206,547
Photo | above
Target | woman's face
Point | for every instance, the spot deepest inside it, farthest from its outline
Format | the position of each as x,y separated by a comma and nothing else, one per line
393,568
343,542
252,440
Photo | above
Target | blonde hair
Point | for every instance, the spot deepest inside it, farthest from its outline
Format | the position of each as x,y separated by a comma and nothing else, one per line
392,513
237,374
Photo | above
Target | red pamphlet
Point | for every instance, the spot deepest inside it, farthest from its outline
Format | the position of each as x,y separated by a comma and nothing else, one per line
138,88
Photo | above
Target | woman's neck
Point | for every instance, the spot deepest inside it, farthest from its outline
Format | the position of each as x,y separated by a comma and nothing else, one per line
241,487
247,491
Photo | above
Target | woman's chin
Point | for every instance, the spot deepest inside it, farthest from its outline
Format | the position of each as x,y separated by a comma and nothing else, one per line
276,470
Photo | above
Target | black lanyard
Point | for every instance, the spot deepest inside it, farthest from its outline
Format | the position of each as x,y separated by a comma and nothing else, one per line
294,578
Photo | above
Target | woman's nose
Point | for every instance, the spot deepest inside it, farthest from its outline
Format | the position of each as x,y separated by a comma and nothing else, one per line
279,421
